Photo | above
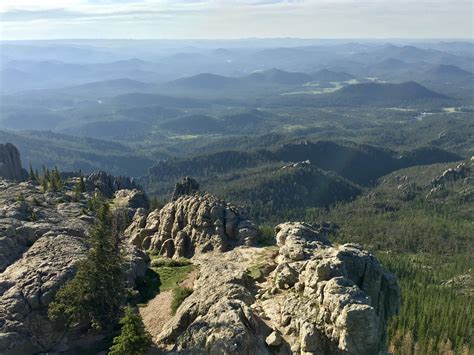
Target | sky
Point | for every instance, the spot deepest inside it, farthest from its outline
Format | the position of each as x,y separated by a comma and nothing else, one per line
226,19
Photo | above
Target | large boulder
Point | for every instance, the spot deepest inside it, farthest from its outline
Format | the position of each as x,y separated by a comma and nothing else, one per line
192,224
10,163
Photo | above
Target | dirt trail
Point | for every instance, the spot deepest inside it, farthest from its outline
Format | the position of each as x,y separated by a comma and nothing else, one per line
157,311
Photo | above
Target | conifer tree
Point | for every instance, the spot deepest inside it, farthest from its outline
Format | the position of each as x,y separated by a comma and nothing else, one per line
55,181
94,296
133,338
80,186
32,175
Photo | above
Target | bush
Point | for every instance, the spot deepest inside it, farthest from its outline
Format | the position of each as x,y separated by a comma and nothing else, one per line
267,235
179,295
160,262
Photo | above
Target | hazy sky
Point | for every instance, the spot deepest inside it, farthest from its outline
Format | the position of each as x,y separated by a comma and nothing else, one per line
49,19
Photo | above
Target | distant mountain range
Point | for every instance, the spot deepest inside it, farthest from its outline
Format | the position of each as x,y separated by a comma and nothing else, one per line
207,81
366,94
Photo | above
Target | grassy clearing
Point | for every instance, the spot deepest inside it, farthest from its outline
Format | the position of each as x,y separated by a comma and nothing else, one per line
170,277
163,275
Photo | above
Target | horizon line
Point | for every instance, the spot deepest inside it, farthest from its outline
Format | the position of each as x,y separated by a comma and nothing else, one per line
467,39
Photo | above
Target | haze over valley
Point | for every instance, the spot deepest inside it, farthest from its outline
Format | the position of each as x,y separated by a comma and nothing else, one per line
236,187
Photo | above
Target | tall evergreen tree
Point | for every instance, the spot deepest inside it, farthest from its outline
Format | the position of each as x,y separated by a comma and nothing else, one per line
133,339
95,294
32,174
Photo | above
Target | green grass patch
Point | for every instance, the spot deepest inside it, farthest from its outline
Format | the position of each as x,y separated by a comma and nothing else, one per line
179,295
164,277
170,277
256,270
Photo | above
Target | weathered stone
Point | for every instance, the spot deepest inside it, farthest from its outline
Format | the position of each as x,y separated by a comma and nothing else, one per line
195,224
274,339
10,163
36,258
108,184
348,296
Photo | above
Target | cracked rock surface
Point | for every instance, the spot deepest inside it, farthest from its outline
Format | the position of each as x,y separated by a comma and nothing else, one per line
309,297
42,236
192,224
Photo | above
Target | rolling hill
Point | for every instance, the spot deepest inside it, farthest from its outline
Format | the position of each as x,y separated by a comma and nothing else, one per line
327,76
276,77
282,191
204,81
378,92
360,164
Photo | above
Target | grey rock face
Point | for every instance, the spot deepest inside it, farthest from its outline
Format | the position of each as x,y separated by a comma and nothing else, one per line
190,225
10,163
349,296
187,186
217,317
42,236
319,299
131,199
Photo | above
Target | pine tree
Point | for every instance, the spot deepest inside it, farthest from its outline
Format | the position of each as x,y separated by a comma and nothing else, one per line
82,184
80,187
32,175
94,296
133,339
56,183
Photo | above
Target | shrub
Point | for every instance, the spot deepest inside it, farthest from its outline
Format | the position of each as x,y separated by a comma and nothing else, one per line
179,295
160,262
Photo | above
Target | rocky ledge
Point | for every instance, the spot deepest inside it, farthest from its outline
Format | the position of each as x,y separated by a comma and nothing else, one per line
307,297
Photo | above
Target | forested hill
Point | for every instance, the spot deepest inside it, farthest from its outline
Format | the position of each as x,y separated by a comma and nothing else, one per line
291,177
361,164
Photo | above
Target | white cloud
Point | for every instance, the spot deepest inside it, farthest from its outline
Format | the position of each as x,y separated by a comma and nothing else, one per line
235,19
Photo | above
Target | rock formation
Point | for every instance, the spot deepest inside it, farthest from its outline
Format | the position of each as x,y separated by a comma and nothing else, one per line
191,224
10,163
187,186
461,171
108,184
351,297
42,236
312,298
